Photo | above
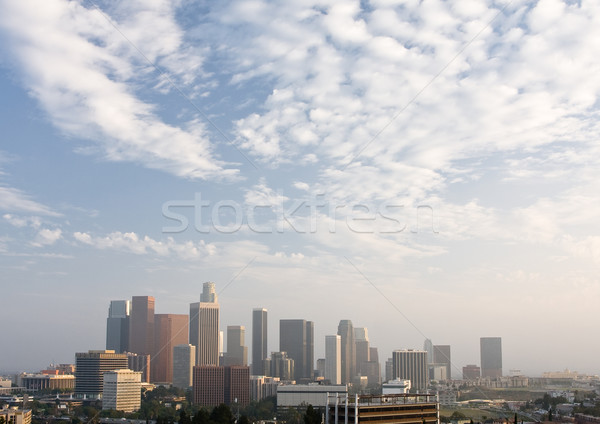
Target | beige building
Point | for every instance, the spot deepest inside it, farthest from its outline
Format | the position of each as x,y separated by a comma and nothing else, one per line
16,416
122,390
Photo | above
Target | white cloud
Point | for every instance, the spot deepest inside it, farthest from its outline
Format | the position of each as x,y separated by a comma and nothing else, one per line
47,237
15,200
83,72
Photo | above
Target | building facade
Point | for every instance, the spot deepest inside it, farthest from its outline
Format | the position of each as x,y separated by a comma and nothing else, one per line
141,325
411,365
237,352
90,369
333,359
491,357
259,340
204,332
348,350
296,338
122,390
442,355
117,326
184,360
170,330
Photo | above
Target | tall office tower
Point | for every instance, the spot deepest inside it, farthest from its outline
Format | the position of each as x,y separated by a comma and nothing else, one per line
491,357
90,368
259,340
441,355
282,366
361,340
373,368
428,347
117,326
139,363
237,352
333,359
141,325
204,327
296,337
389,369
346,332
208,385
237,385
209,293
411,365
122,390
320,370
184,360
170,330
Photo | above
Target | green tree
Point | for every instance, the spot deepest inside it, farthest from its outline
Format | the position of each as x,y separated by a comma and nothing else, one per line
457,415
184,418
243,420
201,417
312,416
221,415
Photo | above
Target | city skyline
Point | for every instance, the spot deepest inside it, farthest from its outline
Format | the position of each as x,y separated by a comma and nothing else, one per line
426,169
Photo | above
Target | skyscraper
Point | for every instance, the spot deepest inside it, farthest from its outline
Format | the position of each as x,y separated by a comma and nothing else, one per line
296,337
170,330
411,365
90,368
442,355
333,359
184,360
117,326
361,340
141,325
259,340
204,327
237,352
428,347
491,357
346,332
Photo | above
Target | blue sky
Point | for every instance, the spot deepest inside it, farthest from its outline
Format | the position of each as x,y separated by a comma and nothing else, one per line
356,159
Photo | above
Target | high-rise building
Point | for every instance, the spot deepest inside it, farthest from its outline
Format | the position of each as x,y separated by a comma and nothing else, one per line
333,359
411,365
122,390
361,340
280,366
90,369
428,347
346,332
373,368
259,340
237,385
170,330
471,372
141,325
442,355
237,352
320,370
139,363
117,326
296,337
491,357
209,293
184,360
204,327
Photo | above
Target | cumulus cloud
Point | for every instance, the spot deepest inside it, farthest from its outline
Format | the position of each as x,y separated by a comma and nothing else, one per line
47,237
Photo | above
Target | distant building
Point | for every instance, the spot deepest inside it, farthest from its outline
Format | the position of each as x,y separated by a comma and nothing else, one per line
442,355
438,372
16,416
296,395
184,360
90,369
333,359
237,352
395,387
373,369
262,387
117,326
122,390
204,327
280,366
471,372
35,382
215,385
259,340
141,325
320,370
447,397
170,330
428,347
348,350
296,337
491,357
411,365
140,363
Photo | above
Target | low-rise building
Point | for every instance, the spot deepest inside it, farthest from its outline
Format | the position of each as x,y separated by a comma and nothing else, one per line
16,416
122,390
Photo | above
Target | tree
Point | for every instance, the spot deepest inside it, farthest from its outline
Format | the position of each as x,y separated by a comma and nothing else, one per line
184,418
201,417
244,420
550,415
221,415
312,416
